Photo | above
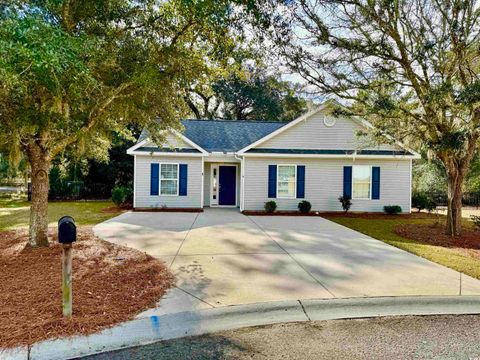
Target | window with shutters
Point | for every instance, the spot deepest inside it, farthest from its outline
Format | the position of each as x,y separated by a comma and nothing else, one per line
286,181
169,179
361,182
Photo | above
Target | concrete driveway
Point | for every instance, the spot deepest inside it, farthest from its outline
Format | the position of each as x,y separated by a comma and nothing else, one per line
221,257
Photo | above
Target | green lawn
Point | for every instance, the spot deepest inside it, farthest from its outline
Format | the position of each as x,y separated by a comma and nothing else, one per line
15,212
382,229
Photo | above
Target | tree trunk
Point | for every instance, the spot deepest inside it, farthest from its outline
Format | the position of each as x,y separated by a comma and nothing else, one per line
40,166
455,194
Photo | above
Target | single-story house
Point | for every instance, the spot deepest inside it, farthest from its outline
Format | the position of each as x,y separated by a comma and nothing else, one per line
240,163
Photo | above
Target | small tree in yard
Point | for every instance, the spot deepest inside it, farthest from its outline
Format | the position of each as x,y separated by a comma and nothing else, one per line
346,203
409,66
72,72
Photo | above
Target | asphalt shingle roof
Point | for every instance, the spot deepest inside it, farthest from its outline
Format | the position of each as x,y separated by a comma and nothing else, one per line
227,135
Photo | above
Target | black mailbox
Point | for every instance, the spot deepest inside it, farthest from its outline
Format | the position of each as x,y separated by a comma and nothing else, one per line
67,230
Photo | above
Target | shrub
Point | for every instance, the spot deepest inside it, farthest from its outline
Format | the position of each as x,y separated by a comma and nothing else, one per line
392,209
122,195
431,205
270,206
304,206
346,202
421,200
476,221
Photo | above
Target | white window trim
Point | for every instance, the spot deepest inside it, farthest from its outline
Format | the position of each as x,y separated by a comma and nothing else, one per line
286,197
371,182
213,202
160,179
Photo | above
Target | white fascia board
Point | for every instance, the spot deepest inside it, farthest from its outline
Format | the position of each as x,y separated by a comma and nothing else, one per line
332,156
283,128
132,149
161,153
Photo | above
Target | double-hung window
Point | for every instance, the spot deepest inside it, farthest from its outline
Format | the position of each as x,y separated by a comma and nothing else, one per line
169,179
286,181
361,182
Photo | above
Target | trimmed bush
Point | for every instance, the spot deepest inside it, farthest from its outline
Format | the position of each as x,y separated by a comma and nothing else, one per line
122,195
346,202
392,209
421,201
270,206
476,221
304,206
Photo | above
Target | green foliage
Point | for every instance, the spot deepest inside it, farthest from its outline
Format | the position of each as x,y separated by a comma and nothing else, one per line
74,72
346,203
12,172
304,206
249,94
476,220
409,67
422,200
473,178
429,176
122,195
270,206
392,209
259,97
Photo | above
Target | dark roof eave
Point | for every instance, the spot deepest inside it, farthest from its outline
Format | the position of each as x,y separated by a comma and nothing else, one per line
329,152
167,150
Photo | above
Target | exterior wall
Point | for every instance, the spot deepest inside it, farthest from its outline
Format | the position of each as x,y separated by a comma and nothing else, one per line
206,184
312,133
143,199
324,184
171,141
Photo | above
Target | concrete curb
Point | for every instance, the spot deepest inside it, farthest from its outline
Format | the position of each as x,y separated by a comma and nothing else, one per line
170,326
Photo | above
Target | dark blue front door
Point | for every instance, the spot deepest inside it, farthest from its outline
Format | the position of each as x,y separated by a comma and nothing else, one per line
228,185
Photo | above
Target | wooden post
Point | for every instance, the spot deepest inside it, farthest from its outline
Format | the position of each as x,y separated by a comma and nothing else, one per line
67,279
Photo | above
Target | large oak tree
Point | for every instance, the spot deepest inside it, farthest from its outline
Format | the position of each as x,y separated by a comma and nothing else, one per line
72,72
411,67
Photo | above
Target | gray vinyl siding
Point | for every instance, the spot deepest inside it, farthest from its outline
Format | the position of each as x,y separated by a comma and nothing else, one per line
143,199
324,184
206,185
312,133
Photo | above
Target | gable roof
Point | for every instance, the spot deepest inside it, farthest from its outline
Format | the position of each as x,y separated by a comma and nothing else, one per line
227,135
323,106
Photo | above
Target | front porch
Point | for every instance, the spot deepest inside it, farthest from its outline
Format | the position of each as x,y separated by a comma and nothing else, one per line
222,184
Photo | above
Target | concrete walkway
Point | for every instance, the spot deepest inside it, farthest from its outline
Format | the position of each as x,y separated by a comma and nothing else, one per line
221,257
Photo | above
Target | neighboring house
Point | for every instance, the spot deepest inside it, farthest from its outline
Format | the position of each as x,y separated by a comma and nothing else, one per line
316,157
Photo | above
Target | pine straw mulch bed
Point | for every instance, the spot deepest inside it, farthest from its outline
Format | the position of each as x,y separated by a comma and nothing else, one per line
111,284
341,214
377,216
434,234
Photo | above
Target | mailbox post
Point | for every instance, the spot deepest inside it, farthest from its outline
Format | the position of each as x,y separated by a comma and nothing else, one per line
67,234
